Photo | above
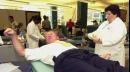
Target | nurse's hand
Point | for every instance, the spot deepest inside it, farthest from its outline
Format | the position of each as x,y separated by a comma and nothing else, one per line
106,56
96,39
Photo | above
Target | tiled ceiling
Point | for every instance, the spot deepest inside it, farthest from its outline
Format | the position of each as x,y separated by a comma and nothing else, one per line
91,3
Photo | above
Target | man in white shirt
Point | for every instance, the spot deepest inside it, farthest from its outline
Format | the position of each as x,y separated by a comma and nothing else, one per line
54,46
33,32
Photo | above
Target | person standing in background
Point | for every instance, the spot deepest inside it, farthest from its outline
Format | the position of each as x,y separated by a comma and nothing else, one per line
19,28
13,23
33,32
69,26
46,23
110,36
63,27
95,23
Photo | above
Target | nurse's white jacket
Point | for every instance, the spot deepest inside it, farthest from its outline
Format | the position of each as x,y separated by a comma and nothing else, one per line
112,36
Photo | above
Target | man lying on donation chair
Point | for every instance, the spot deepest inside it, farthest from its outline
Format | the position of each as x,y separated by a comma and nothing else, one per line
63,56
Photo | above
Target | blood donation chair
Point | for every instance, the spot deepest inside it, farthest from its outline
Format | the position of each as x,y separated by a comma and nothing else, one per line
39,66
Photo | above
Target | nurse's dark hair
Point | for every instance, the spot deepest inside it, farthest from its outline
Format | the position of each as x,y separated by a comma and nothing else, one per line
114,9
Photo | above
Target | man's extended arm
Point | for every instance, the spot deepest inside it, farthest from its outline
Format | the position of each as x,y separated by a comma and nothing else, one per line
17,44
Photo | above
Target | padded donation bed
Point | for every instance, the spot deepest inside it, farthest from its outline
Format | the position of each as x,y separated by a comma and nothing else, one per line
39,66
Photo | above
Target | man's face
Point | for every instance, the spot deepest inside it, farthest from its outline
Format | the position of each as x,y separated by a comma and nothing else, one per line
37,21
50,37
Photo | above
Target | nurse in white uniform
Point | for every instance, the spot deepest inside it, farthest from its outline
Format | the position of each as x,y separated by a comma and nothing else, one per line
110,36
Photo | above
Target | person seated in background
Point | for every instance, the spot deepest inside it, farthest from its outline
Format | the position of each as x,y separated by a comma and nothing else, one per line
2,32
64,56
19,28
